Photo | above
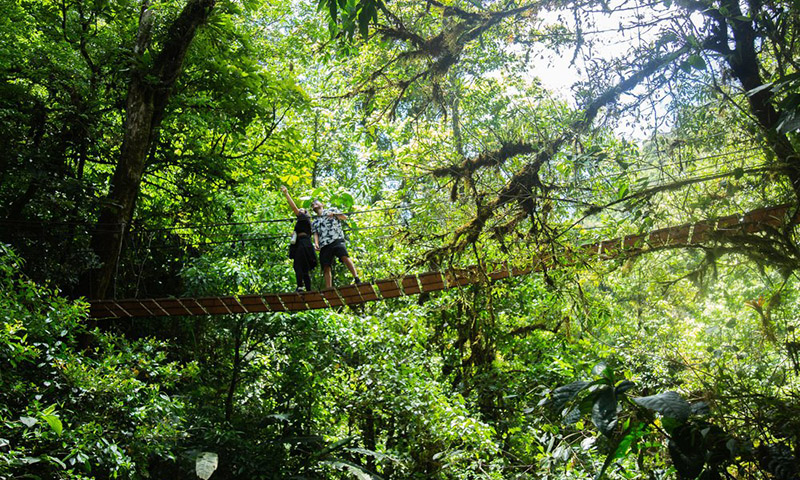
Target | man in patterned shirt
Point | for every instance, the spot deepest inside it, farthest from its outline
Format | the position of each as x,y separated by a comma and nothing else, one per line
329,240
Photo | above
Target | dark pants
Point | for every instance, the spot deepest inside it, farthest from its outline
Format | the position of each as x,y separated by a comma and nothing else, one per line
332,251
303,276
305,259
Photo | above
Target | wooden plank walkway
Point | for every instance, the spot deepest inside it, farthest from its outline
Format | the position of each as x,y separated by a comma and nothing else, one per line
680,235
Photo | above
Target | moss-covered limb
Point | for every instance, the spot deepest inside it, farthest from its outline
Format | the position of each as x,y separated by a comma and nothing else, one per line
486,159
525,184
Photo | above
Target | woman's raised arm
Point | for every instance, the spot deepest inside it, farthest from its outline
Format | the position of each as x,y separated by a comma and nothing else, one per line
289,199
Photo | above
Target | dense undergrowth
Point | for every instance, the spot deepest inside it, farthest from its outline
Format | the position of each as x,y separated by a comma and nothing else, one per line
577,376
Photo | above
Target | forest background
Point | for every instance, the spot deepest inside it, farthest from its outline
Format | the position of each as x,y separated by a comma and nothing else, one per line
143,146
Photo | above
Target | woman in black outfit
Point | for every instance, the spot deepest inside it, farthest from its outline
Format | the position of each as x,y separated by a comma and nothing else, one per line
302,250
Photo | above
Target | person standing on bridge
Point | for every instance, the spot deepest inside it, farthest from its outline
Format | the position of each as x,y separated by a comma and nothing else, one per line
301,251
329,240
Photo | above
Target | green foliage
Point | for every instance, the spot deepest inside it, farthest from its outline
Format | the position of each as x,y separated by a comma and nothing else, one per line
349,16
695,446
70,412
785,88
707,435
668,404
696,350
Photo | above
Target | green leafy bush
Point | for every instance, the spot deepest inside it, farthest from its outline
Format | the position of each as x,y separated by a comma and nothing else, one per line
75,402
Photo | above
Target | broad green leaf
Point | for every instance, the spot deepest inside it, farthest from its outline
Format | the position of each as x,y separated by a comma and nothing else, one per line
364,17
789,123
28,421
604,411
206,464
700,408
623,386
572,416
697,62
55,460
561,395
624,445
668,404
356,470
54,422
759,88
337,445
623,190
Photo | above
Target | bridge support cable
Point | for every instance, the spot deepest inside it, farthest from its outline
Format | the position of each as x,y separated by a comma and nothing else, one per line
756,221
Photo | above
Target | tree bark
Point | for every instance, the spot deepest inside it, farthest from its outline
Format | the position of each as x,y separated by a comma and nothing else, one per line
238,340
744,63
369,432
148,94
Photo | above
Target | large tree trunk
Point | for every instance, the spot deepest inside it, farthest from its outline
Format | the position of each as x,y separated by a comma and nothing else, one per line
744,63
146,102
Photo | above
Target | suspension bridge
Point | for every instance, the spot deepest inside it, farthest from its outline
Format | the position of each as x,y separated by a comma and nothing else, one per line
763,220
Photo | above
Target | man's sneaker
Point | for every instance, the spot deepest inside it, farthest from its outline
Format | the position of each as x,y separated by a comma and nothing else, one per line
359,282
300,290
